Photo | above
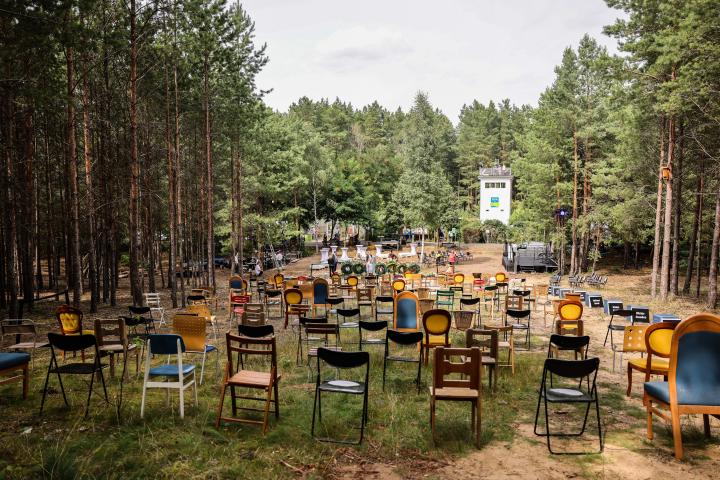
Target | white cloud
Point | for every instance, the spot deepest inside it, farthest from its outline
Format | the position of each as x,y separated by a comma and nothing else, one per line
356,47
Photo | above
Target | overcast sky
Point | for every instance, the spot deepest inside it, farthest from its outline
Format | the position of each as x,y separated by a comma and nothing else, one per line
456,51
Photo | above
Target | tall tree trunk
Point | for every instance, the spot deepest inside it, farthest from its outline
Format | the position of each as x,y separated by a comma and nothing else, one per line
573,251
209,163
10,228
657,244
28,237
667,233
693,236
178,196
89,196
677,187
172,217
73,180
134,213
713,274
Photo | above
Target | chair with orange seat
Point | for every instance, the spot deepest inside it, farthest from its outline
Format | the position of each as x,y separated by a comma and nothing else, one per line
436,324
294,304
193,330
658,339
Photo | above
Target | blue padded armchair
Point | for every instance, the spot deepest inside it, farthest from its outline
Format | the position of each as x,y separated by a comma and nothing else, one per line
693,385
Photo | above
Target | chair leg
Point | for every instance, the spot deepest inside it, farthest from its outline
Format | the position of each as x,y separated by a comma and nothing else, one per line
195,389
202,367
47,378
312,428
277,400
267,408
629,375
87,405
478,424
706,425
220,407
648,406
26,381
182,397
677,432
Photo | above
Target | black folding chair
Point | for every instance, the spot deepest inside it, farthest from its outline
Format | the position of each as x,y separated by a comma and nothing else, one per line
345,361
568,343
472,304
370,326
141,316
304,321
517,323
73,343
384,305
404,339
572,369
614,327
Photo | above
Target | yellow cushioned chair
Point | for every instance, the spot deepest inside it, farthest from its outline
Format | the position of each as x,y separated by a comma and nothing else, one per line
436,324
658,339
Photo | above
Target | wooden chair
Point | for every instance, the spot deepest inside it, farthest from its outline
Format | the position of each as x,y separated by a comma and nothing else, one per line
12,362
406,312
365,298
487,341
294,304
658,342
436,324
193,330
426,304
633,342
693,377
466,389
24,330
70,320
112,339
254,314
463,319
265,381
204,312
506,340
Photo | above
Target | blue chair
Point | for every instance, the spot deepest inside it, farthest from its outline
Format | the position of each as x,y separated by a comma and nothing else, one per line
321,292
175,376
11,362
693,385
406,312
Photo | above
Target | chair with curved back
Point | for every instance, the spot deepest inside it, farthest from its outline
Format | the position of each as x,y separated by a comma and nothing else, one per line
436,325
406,312
578,344
693,377
320,294
279,281
294,306
70,320
472,305
658,342
398,286
569,321
404,339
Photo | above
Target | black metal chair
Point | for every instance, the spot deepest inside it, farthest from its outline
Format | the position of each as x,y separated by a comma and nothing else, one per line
571,369
568,343
404,339
73,343
345,361
614,327
384,305
348,318
141,316
304,321
472,304
370,326
256,331
334,302
517,323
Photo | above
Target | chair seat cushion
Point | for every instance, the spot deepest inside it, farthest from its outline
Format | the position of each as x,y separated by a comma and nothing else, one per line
77,368
251,379
343,386
567,395
454,393
700,396
171,370
25,345
13,359
659,364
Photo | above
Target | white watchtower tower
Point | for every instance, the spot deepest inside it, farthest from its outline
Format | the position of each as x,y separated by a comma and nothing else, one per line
495,193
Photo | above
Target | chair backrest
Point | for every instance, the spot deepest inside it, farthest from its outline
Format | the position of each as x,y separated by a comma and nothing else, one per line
571,368
695,360
423,292
200,311
569,342
193,330
658,339
252,317
436,324
445,297
71,343
255,331
383,299
485,339
468,367
278,280
463,319
426,304
340,359
293,296
197,300
348,312
634,338
570,310
152,300
569,327
139,310
372,326
353,280
336,279
236,299
500,277
404,338
405,312
575,297
18,327
514,302
398,285
254,307
469,302
247,345
459,278
519,314
111,332
70,319
165,344
364,294
236,282
320,291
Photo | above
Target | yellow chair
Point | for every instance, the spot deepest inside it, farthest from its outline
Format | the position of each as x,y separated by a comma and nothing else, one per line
193,330
436,324
398,285
279,280
294,304
501,277
633,342
70,320
204,312
658,339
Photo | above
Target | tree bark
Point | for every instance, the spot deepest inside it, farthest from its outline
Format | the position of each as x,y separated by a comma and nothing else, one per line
89,197
573,251
713,274
209,163
693,237
677,187
133,221
658,216
667,233
73,180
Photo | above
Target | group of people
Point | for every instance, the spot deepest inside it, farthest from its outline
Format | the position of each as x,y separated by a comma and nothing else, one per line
370,262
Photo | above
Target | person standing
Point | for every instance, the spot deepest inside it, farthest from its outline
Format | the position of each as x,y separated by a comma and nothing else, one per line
332,263
370,265
452,258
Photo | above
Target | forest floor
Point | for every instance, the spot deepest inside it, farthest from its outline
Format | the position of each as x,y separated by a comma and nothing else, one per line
115,442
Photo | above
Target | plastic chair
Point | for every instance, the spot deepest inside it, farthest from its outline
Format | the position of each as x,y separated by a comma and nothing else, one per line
267,382
693,378
344,361
178,376
193,331
436,324
405,339
569,369
466,389
73,343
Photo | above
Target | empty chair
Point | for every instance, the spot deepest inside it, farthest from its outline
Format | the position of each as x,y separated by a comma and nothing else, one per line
487,341
254,314
294,304
445,299
153,301
339,360
370,327
304,338
364,298
11,363
426,304
73,343
398,286
436,324
489,297
658,342
197,299
578,344
179,375
614,326
237,305
574,393
633,341
112,339
463,319
693,378
473,305
348,317
520,320
203,311
384,306
329,335
193,330
465,389
320,294
241,378
23,330
273,297
403,339
406,312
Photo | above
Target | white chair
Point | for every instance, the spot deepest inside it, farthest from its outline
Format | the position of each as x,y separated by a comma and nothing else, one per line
179,376
152,300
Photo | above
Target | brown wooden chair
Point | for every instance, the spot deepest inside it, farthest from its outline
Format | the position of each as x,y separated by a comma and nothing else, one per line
365,299
436,324
426,304
463,319
250,379
487,341
254,314
506,340
24,330
112,340
465,389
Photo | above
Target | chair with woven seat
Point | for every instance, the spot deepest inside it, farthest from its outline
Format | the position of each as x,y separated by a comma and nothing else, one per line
193,330
468,388
575,370
11,363
74,343
463,319
345,361
406,312
403,339
658,340
179,376
487,341
436,325
267,382
693,385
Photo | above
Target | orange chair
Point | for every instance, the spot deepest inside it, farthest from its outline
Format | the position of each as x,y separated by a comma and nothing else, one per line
398,285
658,341
70,320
